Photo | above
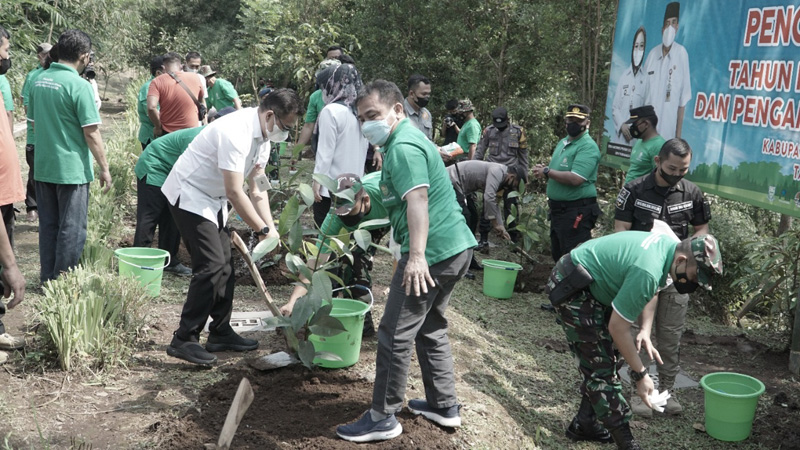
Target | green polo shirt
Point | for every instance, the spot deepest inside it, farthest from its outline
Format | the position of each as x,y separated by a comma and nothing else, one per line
411,161
642,157
315,106
5,89
470,134
157,159
222,94
627,268
581,157
61,104
26,92
145,125
333,224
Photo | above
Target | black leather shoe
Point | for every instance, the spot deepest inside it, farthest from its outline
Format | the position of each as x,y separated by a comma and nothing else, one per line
230,343
190,351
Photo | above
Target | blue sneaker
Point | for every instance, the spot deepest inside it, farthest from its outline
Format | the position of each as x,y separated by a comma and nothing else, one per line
446,417
365,430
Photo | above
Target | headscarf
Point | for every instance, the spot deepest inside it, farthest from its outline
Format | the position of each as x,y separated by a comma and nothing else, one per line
340,84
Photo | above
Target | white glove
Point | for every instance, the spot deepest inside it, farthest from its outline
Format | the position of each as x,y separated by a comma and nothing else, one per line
659,400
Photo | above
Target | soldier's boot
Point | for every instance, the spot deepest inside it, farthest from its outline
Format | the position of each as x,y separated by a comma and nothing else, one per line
624,438
673,407
585,427
639,409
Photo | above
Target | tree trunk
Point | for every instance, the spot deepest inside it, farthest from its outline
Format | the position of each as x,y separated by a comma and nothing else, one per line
794,355
785,224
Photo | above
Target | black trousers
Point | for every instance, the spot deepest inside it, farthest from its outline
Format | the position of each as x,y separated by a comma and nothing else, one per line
152,210
211,289
486,225
321,210
30,191
9,221
570,227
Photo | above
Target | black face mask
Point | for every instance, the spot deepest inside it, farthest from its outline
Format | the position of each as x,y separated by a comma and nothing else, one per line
682,284
422,102
636,133
351,221
5,64
501,128
574,129
672,180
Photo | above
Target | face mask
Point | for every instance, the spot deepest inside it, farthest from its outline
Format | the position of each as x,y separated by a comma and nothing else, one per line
5,64
276,135
351,221
668,37
189,69
574,129
636,133
501,128
422,102
672,180
682,284
377,132
638,55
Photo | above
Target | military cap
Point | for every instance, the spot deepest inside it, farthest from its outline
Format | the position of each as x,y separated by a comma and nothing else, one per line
344,182
579,111
464,105
705,249
206,71
642,112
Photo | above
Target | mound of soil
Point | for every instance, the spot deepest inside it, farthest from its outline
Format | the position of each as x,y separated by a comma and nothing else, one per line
293,408
532,277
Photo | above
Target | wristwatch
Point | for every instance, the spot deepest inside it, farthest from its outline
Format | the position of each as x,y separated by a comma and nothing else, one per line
262,232
546,172
637,376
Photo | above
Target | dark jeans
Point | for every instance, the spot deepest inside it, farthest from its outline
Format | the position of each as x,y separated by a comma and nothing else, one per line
9,218
408,321
486,225
211,289
152,209
30,190
570,227
63,215
321,210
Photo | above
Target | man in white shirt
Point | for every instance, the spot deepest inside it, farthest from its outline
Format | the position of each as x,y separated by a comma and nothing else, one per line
207,175
669,87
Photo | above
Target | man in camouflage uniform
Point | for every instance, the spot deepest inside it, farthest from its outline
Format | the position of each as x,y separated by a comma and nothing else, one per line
598,290
504,143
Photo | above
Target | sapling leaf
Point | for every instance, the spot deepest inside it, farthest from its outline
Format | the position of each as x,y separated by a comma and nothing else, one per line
306,193
324,311
336,278
294,262
327,181
306,353
311,249
321,285
305,272
295,237
327,326
363,239
328,356
277,321
263,248
303,310
374,223
289,215
513,194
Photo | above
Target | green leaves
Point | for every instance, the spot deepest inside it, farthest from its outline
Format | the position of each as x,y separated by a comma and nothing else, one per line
363,239
264,247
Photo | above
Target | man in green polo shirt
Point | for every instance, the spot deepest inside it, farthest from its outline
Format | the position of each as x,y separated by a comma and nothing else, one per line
599,289
8,100
145,125
642,125
571,178
470,133
43,54
436,248
221,92
67,125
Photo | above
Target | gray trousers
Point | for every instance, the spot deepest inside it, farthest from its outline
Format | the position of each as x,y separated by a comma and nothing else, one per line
409,321
63,216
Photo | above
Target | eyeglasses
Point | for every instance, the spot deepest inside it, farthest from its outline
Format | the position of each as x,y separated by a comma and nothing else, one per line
281,126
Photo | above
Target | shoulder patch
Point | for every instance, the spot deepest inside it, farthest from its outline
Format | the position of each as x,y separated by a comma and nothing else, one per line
622,198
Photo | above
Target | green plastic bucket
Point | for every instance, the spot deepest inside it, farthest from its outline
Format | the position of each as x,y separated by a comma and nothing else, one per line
499,278
346,344
731,400
145,264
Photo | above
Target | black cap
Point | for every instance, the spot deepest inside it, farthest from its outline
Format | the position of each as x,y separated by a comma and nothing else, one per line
673,10
579,111
343,182
641,112
500,117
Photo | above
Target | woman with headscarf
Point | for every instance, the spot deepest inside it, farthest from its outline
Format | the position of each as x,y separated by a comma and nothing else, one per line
631,88
341,147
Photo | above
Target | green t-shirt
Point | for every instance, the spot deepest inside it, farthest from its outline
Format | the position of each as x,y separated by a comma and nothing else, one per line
158,158
411,161
333,224
61,104
145,125
581,157
642,157
315,106
5,88
627,268
26,95
221,95
470,134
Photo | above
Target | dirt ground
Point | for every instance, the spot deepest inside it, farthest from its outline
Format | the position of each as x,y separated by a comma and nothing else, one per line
516,380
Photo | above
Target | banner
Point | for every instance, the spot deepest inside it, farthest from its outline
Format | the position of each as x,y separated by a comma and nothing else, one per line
723,75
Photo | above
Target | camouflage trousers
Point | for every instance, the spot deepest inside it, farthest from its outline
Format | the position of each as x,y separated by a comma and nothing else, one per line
585,322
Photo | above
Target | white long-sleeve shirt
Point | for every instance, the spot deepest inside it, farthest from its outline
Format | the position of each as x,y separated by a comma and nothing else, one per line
341,148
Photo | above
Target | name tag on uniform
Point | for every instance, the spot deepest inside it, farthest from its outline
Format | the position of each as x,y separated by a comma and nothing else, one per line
648,206
679,207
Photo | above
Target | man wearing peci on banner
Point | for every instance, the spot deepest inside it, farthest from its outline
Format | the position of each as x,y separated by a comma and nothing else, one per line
631,90
669,87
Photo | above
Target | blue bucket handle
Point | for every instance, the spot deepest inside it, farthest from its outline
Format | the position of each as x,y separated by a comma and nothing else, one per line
145,267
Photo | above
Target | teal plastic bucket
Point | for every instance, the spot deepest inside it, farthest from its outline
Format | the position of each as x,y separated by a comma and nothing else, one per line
347,345
145,264
499,278
731,400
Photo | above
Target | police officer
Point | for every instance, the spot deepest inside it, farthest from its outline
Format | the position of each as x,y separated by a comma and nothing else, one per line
598,290
419,93
506,144
666,196
571,178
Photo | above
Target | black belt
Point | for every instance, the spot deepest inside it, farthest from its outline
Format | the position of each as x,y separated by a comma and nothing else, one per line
555,204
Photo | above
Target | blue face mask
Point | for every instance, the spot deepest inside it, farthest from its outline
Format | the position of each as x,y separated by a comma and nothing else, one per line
377,132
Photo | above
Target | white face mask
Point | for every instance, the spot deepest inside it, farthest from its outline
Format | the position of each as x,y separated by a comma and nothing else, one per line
276,135
377,132
638,55
668,37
